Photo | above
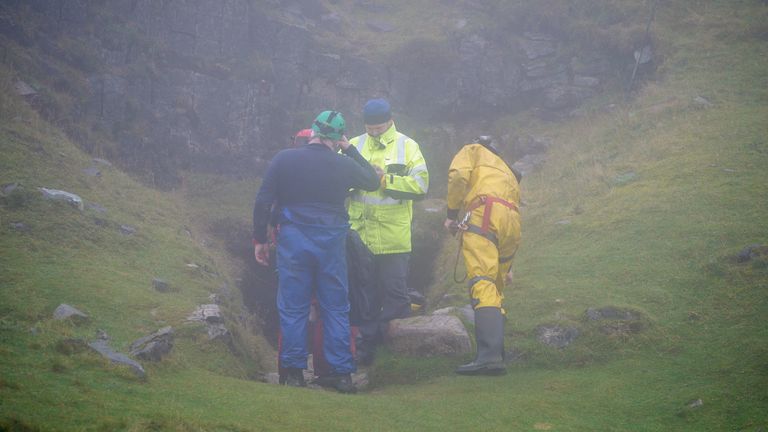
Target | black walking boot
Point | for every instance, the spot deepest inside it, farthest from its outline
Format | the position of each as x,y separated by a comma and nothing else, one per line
341,382
294,377
489,335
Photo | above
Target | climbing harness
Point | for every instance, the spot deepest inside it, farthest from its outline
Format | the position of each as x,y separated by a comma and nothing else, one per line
464,226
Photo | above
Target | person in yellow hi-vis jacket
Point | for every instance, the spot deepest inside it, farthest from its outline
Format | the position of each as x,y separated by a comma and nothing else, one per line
383,219
482,184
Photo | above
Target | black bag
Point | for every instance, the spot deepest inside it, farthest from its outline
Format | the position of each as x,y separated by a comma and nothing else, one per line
362,286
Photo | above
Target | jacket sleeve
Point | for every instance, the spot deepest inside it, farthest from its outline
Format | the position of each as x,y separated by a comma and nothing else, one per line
414,182
459,174
363,176
262,208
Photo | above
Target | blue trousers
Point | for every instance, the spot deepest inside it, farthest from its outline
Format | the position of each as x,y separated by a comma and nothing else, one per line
313,257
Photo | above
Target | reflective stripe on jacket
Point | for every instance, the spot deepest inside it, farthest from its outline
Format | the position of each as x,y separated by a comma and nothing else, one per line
383,217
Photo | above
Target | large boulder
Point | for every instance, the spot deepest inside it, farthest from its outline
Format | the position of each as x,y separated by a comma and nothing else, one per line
153,347
431,335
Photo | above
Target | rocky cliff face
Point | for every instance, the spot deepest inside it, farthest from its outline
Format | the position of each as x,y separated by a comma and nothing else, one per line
221,84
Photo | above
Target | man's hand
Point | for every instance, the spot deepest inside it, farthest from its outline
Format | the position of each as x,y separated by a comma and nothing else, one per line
261,252
451,226
343,143
379,171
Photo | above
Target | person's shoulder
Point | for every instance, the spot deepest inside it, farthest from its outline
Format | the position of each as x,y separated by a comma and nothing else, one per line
408,139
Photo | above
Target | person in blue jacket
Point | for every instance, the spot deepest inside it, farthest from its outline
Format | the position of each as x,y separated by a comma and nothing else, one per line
309,185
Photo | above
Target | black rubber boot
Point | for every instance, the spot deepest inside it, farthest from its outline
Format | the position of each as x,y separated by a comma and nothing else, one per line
489,335
294,377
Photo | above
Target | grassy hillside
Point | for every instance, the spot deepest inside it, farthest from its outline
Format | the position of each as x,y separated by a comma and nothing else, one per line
659,194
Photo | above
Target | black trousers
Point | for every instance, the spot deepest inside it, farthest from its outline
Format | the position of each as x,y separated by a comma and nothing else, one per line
391,300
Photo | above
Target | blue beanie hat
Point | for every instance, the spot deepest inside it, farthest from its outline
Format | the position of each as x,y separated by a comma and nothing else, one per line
376,111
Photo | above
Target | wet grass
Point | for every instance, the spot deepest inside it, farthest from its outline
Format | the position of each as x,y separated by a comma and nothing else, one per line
661,245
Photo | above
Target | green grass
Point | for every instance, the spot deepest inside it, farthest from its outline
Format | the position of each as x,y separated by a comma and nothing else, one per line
661,243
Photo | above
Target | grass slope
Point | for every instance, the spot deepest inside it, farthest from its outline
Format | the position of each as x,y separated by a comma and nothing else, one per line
660,194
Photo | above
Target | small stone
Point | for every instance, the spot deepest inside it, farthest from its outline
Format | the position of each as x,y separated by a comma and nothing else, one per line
556,336
702,102
160,285
92,172
23,89
106,351
9,187
697,403
59,195
127,230
751,252
217,331
563,222
102,161
67,312
210,313
193,266
19,226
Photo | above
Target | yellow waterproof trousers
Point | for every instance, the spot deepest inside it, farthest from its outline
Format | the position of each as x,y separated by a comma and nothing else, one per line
488,257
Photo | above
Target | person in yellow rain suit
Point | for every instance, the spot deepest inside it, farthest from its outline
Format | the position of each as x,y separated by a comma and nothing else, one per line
487,189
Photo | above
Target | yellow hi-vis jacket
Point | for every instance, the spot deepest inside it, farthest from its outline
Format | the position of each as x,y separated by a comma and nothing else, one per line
383,217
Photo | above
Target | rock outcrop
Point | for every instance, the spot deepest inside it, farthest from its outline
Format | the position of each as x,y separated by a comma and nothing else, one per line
220,85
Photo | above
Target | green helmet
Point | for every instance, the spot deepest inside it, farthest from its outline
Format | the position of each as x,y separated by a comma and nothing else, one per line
329,124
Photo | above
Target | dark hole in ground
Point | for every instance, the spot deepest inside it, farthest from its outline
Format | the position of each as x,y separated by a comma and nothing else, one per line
425,249
258,284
